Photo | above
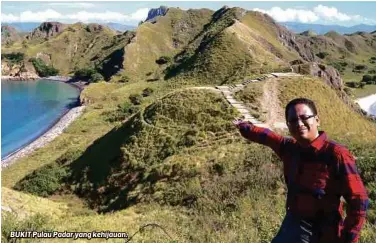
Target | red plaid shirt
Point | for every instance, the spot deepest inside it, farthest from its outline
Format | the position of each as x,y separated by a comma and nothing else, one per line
318,175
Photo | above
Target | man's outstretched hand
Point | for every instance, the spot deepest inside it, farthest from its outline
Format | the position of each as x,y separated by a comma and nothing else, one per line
239,121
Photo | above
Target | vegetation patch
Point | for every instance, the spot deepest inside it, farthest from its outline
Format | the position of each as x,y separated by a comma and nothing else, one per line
42,68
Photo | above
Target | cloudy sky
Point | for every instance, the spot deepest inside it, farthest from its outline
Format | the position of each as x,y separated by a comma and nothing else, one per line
130,13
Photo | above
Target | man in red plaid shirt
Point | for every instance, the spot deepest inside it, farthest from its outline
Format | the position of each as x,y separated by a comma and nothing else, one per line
318,172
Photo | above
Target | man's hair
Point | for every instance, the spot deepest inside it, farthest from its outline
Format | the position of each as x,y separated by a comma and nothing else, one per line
304,101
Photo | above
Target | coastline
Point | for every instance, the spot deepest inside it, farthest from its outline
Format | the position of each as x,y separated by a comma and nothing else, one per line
55,130
366,103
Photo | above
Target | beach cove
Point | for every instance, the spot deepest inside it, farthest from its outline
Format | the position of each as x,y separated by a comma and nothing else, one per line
34,113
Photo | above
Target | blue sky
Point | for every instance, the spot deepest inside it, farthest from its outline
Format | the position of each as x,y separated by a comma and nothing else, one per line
341,13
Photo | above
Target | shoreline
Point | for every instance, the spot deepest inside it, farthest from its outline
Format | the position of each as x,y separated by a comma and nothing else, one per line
50,134
366,103
80,85
52,131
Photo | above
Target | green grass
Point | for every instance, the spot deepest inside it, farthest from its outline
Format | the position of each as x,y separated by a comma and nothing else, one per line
367,90
252,96
178,163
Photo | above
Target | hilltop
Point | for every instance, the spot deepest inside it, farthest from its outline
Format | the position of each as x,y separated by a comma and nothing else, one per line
177,45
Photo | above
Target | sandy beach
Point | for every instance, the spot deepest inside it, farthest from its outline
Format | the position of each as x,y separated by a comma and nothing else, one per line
47,137
368,104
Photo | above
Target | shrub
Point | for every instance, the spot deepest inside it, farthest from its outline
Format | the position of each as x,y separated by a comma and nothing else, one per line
348,91
353,84
42,68
359,68
44,181
147,92
10,222
163,60
322,55
14,58
84,73
69,156
366,78
136,99
124,79
123,111
95,77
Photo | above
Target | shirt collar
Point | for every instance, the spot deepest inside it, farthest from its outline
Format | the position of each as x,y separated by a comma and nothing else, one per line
319,142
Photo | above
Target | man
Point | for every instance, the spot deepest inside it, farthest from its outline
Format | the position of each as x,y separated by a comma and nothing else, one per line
317,172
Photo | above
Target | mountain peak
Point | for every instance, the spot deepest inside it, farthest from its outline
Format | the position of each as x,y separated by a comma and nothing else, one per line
308,33
47,30
155,12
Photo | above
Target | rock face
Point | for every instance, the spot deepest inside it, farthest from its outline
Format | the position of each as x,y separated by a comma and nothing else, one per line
288,38
9,35
94,27
21,71
329,74
46,30
155,12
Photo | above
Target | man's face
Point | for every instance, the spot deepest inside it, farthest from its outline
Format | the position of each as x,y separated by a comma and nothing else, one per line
302,123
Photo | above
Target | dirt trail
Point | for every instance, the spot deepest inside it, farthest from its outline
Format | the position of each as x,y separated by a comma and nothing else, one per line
271,104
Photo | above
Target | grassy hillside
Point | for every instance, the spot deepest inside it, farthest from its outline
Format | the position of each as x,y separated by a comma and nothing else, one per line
77,46
199,45
166,37
347,53
229,48
178,162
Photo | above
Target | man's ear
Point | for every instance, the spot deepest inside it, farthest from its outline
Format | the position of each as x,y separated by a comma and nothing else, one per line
317,120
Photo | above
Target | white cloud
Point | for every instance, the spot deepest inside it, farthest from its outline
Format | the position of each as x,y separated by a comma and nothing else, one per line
82,16
9,18
320,12
29,16
73,5
331,13
281,15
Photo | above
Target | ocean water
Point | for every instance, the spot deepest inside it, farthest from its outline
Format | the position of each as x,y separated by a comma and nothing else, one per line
29,108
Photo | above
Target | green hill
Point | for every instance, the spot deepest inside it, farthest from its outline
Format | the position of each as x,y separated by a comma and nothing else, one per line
164,152
231,43
179,160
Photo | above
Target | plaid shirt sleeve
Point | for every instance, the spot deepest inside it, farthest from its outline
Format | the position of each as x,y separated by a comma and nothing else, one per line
263,136
355,194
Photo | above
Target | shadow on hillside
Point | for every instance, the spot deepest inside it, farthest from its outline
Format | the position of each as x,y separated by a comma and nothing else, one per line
106,178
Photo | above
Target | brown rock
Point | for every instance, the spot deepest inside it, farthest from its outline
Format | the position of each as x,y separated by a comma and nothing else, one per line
46,30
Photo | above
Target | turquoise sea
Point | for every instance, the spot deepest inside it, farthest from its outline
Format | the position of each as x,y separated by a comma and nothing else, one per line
30,108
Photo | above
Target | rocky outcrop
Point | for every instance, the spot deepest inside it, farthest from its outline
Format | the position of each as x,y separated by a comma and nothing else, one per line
288,38
20,71
330,76
9,35
46,58
155,12
46,30
94,27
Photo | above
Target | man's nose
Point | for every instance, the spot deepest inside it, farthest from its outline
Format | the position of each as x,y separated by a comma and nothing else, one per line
300,122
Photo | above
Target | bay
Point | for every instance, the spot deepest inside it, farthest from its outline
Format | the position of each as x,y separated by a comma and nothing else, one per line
30,108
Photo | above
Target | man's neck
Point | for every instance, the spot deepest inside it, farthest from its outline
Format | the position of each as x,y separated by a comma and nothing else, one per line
306,143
